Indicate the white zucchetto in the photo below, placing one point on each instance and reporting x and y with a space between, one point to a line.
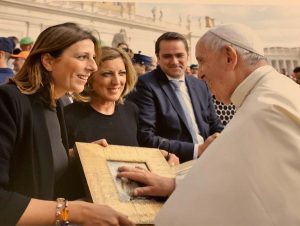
241 36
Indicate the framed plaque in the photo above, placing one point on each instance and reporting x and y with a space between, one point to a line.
100 164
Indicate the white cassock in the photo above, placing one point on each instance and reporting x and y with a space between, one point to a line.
250 175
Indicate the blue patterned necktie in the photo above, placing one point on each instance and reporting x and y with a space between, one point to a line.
193 130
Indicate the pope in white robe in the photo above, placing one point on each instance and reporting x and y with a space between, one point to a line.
250 174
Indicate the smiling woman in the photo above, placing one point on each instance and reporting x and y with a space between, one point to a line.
53 55
72 68
34 162
102 112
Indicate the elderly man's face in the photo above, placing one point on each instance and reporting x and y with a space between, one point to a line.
214 70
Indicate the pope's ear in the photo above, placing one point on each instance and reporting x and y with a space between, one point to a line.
47 61
231 56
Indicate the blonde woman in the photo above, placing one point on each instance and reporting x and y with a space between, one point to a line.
103 113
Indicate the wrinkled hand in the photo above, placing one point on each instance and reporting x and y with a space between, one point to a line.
155 185
101 142
89 214
172 159
206 143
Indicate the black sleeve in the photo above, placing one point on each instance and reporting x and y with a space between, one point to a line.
12 204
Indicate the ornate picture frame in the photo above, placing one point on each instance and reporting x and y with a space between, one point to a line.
100 164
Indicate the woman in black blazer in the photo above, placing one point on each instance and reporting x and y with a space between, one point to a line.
34 157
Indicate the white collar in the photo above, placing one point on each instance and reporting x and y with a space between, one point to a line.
245 87
182 78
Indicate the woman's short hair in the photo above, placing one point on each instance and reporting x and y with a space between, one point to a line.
110 53
33 78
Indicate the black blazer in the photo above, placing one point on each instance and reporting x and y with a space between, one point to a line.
161 120
26 163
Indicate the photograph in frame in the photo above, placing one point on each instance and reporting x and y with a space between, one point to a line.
99 166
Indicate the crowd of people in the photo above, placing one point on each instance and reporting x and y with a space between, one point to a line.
12 58
65 88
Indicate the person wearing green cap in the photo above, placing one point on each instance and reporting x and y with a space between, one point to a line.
26 44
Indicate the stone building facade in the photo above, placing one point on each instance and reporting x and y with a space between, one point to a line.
283 59
29 17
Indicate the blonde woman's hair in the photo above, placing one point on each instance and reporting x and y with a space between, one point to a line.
110 53
33 78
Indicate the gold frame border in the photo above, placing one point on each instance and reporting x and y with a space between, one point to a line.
93 158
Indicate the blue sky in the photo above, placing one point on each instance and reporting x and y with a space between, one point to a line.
276 24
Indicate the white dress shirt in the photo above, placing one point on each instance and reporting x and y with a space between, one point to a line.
188 103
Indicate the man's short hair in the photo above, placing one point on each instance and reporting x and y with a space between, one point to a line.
296 70
170 36
215 43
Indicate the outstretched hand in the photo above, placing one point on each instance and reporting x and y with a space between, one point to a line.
155 185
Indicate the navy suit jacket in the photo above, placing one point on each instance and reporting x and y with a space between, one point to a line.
161 121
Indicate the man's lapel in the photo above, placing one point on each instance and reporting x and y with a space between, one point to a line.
167 88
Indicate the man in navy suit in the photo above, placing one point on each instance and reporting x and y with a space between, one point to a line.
183 127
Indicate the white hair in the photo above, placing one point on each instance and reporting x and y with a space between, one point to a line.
215 43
